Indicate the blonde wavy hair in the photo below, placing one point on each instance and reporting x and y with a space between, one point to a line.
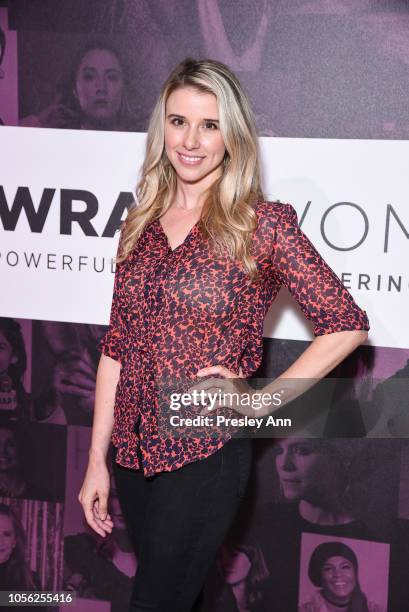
228 218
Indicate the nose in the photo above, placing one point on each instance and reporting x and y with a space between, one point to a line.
101 84
287 462
191 140
336 573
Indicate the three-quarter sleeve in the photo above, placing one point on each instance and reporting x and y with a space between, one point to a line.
112 342
314 285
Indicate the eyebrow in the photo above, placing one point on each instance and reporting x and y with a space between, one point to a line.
182 117
105 69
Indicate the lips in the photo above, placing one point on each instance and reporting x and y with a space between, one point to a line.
340 586
190 160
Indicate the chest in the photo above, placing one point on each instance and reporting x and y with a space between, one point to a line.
191 284
191 281
176 227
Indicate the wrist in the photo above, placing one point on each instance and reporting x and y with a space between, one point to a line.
97 455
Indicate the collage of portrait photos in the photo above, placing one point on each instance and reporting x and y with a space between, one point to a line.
311 68
47 383
321 517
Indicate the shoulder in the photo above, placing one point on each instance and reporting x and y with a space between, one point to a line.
275 221
276 212
314 603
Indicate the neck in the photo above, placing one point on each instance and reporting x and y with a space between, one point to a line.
320 515
333 604
88 123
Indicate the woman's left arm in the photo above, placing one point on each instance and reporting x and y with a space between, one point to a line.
339 324
324 354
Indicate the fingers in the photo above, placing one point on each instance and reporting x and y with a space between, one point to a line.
211 409
88 508
216 369
94 511
100 507
71 378
102 517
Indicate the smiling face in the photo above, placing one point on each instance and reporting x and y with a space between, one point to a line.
99 85
338 579
302 467
7 538
193 141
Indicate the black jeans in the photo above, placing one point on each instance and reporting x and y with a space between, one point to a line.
177 521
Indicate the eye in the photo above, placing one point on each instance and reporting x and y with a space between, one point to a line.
211 125
277 450
303 449
113 76
87 76
177 121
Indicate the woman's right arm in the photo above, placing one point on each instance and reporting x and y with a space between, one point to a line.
94 492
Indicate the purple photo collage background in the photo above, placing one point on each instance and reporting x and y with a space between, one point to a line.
312 68
304 492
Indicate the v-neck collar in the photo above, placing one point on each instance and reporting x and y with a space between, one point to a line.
193 230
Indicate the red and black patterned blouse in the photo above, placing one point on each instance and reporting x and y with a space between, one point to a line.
176 311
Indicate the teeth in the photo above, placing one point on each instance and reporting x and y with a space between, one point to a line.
188 158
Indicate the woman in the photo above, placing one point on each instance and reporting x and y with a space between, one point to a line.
17 464
201 258
93 96
15 574
66 382
233 585
315 478
12 479
15 402
315 474
333 567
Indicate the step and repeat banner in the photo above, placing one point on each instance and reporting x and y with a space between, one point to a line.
329 83
64 194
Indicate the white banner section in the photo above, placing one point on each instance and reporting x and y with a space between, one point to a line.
63 191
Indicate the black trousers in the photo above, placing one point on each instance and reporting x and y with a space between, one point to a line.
177 521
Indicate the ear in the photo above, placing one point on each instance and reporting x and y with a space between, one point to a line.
14 359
